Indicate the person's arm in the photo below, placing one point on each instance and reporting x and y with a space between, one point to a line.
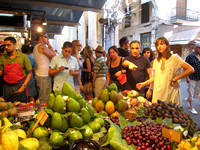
128 64
1 72
74 73
80 83
145 83
46 51
88 63
149 92
94 78
108 75
188 69
53 72
26 81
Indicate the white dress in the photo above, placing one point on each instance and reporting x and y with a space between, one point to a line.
162 89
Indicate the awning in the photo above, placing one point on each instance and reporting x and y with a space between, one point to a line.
185 37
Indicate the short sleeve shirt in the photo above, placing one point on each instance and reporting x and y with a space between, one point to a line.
138 75
195 63
63 76
100 66
23 61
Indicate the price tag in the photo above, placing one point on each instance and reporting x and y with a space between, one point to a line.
171 135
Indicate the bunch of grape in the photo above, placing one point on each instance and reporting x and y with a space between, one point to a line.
147 136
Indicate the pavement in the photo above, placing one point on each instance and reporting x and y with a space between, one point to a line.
196 103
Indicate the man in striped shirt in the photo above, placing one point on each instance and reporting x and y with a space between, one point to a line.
100 71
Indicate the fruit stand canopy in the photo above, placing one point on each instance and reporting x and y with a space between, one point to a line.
58 13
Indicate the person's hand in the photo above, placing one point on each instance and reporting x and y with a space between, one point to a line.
140 85
174 84
61 68
148 94
21 89
71 71
132 66
81 87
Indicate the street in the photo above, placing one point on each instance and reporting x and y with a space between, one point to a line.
196 103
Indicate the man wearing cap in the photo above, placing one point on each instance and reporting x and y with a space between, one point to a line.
100 71
124 45
43 53
193 80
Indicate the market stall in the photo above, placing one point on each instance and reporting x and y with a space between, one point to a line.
113 120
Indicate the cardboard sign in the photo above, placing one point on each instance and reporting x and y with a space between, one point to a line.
42 117
171 135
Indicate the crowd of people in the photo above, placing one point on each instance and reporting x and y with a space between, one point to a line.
34 72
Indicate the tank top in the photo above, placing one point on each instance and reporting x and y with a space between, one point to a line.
42 62
113 70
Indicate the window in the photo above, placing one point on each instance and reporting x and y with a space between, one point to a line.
145 39
145 13
181 9
127 19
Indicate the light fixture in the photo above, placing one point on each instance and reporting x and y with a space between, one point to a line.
39 29
44 21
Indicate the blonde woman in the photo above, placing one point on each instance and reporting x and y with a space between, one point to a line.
86 75
76 48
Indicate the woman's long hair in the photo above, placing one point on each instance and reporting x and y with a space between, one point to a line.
74 45
163 40
88 53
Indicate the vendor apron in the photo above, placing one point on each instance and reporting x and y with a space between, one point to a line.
14 78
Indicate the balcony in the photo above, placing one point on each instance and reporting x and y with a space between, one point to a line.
179 15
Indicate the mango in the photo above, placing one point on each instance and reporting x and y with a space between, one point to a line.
75 121
104 95
72 105
3 106
112 86
99 105
122 105
50 101
90 109
114 96
56 121
59 104
110 107
85 115
115 114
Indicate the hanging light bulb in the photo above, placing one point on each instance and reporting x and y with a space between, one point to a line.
39 29
44 21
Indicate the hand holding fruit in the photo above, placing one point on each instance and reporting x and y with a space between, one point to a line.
140 85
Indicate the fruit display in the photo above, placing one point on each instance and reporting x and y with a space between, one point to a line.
193 144
134 99
70 118
148 135
110 101
171 111
7 109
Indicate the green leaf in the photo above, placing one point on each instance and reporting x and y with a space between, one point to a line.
115 140
21 147
100 134
45 144
135 123
123 122
159 120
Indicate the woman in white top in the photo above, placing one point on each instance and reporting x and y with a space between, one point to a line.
167 74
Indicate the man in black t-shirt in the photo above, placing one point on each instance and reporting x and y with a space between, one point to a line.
124 45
